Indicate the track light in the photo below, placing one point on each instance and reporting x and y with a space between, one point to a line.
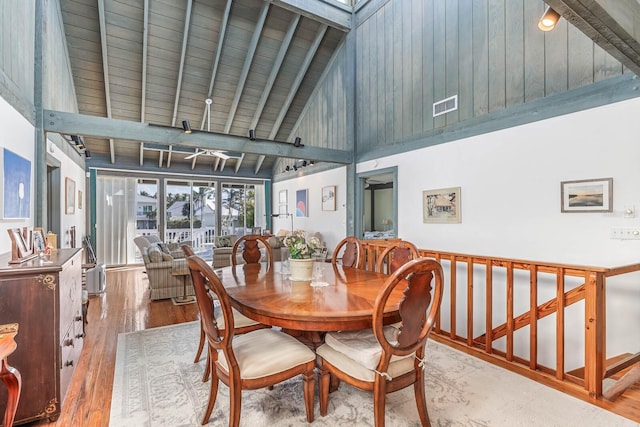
297 142
549 19
304 163
87 154
186 126
311 162
295 168
287 169
252 135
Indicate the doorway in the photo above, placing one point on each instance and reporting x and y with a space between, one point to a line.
378 204
53 196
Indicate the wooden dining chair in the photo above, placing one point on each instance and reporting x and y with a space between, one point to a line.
387 358
396 255
251 254
242 324
249 361
349 253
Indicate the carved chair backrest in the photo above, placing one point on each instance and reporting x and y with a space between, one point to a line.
395 256
350 253
251 253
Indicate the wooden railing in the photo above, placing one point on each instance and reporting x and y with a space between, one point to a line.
482 289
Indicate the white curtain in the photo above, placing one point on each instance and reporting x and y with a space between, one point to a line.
115 219
259 214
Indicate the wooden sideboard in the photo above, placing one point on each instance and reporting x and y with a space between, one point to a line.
45 298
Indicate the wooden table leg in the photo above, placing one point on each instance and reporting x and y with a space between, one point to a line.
9 375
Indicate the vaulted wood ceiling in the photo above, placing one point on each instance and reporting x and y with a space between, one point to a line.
158 61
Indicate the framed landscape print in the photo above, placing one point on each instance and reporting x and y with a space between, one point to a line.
329 198
441 206
587 195
69 196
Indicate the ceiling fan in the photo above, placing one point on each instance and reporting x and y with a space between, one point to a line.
208 152
216 153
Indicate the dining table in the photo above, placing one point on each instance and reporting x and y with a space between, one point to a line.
341 299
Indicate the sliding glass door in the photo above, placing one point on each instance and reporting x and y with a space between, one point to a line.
190 212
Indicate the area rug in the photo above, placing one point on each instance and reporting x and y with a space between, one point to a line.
156 383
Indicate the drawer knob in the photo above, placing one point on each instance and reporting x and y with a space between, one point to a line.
78 318
68 363
68 342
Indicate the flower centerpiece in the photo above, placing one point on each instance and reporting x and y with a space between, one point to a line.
300 246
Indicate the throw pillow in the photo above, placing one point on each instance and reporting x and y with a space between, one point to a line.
155 254
166 257
163 247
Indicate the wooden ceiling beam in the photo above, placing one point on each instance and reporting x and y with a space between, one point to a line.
333 14
105 70
611 24
102 127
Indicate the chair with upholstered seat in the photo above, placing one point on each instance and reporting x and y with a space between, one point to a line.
387 358
242 324
396 255
349 253
252 246
253 360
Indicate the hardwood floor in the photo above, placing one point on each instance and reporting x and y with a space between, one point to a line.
125 307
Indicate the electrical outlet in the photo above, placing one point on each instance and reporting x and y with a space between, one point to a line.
625 233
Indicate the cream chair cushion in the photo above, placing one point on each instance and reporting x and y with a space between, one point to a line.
239 319
358 353
266 352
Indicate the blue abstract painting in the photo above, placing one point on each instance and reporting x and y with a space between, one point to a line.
17 186
301 203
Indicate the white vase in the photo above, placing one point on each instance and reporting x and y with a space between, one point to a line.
301 269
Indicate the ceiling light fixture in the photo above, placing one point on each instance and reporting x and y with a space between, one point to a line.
252 135
549 19
186 126
87 154
297 142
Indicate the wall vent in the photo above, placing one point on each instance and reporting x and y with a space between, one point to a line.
446 105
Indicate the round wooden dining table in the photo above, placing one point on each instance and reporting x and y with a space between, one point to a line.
344 302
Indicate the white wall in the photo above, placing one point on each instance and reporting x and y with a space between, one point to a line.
18 135
510 185
332 224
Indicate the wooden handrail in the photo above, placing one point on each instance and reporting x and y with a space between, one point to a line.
462 271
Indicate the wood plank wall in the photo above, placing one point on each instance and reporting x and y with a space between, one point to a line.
16 52
411 53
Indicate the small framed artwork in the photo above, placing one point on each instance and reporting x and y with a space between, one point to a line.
587 195
302 203
19 243
282 202
79 199
69 196
441 206
329 198
39 241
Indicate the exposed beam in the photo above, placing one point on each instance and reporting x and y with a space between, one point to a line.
247 65
274 71
612 24
298 80
216 61
333 14
105 70
183 54
259 164
143 94
81 124
239 162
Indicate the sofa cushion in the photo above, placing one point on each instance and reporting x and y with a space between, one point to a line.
163 247
155 254
167 257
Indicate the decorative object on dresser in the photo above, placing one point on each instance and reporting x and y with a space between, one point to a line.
21 251
45 298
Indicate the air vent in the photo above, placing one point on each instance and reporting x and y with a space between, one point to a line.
446 105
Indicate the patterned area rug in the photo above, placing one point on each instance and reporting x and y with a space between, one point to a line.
157 384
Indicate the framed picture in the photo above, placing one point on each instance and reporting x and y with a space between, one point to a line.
69 196
79 199
441 206
18 240
282 202
302 203
329 198
587 195
39 242
16 184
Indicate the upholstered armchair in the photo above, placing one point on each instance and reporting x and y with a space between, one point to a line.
167 274
153 240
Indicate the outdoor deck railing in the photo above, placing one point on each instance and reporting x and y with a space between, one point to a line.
481 289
